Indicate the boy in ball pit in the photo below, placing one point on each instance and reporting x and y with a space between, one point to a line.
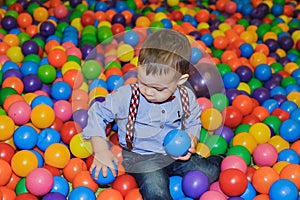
145 112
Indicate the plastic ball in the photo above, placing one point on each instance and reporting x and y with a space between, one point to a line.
47 137
13 82
246 140
124 183
82 192
57 57
31 83
54 195
42 116
216 144
233 182
61 91
289 155
290 130
39 181
19 112
231 80
5 172
23 162
131 38
265 155
175 187
25 137
262 72
111 194
15 54
60 185
7 127
6 152
211 119
79 147
57 155
232 116
134 194
105 180
261 132
26 196
195 183
212 194
283 189
73 167
243 103
177 143
263 178
91 69
125 52
114 82
234 162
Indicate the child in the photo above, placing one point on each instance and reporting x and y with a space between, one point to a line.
145 112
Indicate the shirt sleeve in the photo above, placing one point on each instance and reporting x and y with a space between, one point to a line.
193 122
100 114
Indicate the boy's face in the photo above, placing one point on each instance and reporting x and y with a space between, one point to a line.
157 88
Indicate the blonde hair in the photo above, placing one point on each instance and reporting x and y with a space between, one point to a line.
165 50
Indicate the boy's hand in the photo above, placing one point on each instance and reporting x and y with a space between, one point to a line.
192 149
103 158
102 161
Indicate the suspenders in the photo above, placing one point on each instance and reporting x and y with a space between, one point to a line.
133 109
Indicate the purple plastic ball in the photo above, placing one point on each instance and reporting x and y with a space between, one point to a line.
244 73
30 47
80 116
54 195
47 28
87 51
286 42
9 22
261 94
195 183
226 132
119 18
271 83
31 83
232 93
12 72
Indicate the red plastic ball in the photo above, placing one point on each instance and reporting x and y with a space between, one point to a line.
68 130
87 18
232 116
6 152
134 194
74 166
57 57
233 182
124 183
26 196
243 103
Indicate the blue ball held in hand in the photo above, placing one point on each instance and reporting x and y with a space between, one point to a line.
177 143
105 180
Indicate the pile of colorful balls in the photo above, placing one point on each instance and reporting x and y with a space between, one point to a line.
59 57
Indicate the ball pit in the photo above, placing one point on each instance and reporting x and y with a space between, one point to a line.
245 74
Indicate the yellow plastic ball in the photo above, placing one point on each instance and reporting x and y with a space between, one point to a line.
279 143
159 16
172 2
258 58
217 33
211 119
246 140
42 116
290 67
244 87
28 97
70 65
23 162
296 36
77 24
261 132
143 21
125 52
202 25
202 150
57 155
280 165
15 54
79 147
104 23
7 127
294 97
224 27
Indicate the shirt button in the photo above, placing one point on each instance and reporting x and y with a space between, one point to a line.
161 126
163 111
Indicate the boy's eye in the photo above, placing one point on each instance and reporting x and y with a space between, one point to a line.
160 89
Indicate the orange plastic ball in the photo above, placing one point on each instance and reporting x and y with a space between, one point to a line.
11 40
243 103
296 146
258 58
40 14
42 116
220 42
57 155
202 16
31 30
12 99
23 162
110 194
57 57
5 172
263 178
3 48
260 112
24 20
292 173
84 178
13 82
74 78
73 167
211 119
7 193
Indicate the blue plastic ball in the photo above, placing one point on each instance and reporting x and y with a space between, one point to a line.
196 55
175 186
295 115
290 130
47 137
207 39
283 189
288 106
39 157
249 193
277 90
262 72
101 6
277 9
131 38
289 155
167 23
105 180
25 137
246 50
82 192
231 80
61 90
114 82
9 65
41 100
97 83
29 67
60 185
270 105
177 143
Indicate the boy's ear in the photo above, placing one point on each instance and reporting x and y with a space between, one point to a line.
183 79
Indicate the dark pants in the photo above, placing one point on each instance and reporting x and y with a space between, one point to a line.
152 172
